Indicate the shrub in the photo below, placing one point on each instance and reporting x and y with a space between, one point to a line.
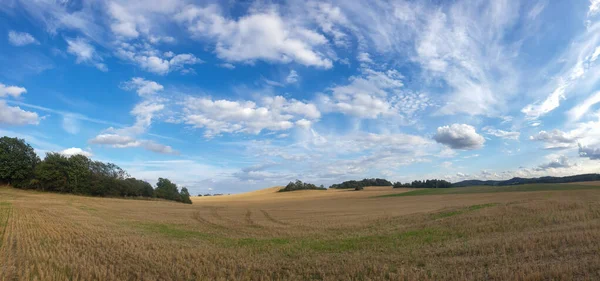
299 185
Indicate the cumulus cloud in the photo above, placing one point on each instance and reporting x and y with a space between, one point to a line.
21 38
142 86
374 94
225 116
292 77
151 60
256 36
593 153
364 57
75 151
509 135
12 91
560 162
555 139
459 136
85 53
14 115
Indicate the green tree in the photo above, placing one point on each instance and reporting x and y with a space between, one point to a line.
52 173
79 174
17 161
165 189
185 196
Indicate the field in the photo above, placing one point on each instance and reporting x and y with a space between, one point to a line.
537 232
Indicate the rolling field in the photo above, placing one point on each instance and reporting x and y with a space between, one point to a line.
546 232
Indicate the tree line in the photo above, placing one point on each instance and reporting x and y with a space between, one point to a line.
77 174
361 184
299 185
424 184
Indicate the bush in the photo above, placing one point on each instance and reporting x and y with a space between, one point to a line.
359 188
299 185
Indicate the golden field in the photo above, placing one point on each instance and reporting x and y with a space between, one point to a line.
305 235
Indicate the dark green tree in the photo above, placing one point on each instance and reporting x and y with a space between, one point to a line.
165 189
185 196
17 161
52 173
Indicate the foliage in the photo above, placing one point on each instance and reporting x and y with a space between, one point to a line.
299 185
77 174
363 183
17 161
425 184
185 196
516 181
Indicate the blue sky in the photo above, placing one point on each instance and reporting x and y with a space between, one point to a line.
230 96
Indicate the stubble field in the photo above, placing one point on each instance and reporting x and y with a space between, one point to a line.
523 234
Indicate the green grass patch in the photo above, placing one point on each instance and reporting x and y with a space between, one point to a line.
87 209
492 189
447 214
413 238
5 204
169 230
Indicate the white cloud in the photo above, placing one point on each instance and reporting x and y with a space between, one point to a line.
122 141
21 38
374 94
16 116
459 136
142 86
594 7
257 36
151 60
75 151
225 116
227 65
581 109
85 53
578 73
13 91
560 162
364 57
457 46
502 134
292 77
555 139
124 23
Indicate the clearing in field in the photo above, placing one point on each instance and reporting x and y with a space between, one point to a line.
546 232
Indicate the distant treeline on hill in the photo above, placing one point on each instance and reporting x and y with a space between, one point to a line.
516 181
77 174
299 185
362 183
425 184
358 185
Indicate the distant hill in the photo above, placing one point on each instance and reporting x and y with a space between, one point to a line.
516 181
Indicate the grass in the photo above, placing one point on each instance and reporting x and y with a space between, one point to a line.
333 236
492 189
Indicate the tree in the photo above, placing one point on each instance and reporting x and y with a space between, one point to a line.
185 196
165 189
52 173
17 161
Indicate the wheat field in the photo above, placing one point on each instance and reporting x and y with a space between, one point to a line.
304 235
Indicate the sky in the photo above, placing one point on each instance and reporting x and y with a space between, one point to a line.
231 96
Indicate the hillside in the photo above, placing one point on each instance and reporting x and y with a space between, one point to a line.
516 180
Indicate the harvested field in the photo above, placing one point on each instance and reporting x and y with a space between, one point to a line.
304 235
